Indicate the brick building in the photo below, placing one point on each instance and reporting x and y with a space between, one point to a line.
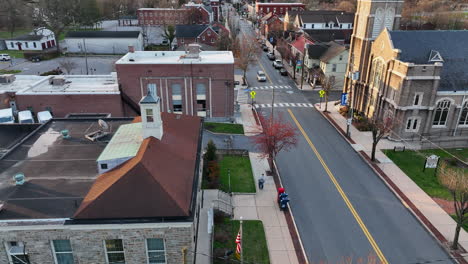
280 9
63 95
192 83
416 78
203 34
59 209
190 13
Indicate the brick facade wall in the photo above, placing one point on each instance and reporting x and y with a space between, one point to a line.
63 104
134 79
88 244
181 16
280 10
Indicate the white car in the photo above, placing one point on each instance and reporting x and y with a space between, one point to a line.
277 64
5 57
261 77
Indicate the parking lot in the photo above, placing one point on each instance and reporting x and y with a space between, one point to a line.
96 65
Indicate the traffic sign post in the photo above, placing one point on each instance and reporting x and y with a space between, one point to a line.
252 96
321 93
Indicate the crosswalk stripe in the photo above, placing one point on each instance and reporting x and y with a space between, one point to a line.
271 87
281 105
268 105
310 105
286 104
256 105
262 105
292 104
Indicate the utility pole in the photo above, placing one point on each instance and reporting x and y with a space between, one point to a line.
242 242
272 106
86 56
306 46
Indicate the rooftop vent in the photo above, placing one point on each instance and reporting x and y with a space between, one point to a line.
65 134
57 80
7 78
193 51
19 179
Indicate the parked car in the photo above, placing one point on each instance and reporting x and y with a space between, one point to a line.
283 72
261 77
6 116
271 56
265 47
35 59
43 116
25 117
277 64
5 57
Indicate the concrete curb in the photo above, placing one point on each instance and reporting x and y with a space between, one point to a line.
399 194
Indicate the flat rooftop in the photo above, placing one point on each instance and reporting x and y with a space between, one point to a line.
75 84
58 171
21 82
176 57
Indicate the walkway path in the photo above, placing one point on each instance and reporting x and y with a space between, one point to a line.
439 223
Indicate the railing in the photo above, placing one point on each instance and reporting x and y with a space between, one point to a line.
223 206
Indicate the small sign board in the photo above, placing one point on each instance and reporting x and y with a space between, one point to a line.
321 93
348 121
252 94
344 99
431 162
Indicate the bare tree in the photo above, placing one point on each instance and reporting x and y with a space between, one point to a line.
56 15
169 34
328 82
456 181
379 129
248 51
67 64
13 14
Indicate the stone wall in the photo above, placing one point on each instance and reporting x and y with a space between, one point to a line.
88 241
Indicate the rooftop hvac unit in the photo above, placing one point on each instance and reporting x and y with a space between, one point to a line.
65 134
19 179
7 78
57 80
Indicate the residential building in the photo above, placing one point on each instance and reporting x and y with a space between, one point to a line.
342 36
324 19
191 13
280 9
63 95
326 60
270 23
298 45
191 83
203 34
215 6
103 42
415 78
59 209
39 39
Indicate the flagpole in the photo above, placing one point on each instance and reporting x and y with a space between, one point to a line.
242 238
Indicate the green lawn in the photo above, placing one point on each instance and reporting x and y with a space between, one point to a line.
412 163
241 174
253 239
9 71
224 128
465 226
13 53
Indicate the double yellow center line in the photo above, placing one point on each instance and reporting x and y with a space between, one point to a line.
361 224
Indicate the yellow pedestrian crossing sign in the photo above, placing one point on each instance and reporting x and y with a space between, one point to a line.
321 93
252 94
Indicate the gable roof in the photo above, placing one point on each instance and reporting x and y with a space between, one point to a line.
417 46
189 31
300 42
159 182
317 50
326 16
103 34
327 35
31 37
333 50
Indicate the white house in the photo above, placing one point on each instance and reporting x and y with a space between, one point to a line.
324 19
103 42
39 39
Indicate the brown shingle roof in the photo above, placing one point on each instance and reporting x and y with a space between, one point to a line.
157 182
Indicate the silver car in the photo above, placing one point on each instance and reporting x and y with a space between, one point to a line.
5 57
261 77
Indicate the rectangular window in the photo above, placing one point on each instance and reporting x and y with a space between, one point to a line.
349 26
26 44
333 67
114 251
341 57
152 89
104 166
203 38
149 115
17 252
62 250
412 124
177 97
156 250
12 45
34 44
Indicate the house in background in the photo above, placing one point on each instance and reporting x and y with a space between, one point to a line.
103 42
205 34
270 23
39 39
280 9
324 19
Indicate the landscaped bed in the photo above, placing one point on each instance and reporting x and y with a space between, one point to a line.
9 71
224 128
241 174
412 163
254 244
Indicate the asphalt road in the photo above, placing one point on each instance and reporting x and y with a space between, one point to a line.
341 207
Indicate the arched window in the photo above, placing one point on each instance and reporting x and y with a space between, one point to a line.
464 115
441 113
376 73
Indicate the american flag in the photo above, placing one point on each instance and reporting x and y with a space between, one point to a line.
239 245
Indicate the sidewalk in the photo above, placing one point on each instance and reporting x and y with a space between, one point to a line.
439 223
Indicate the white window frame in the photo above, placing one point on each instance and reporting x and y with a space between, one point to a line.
420 98
413 119
148 251
106 252
8 247
463 105
152 88
448 112
55 253
334 67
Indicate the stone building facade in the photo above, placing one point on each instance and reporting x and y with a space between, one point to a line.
416 78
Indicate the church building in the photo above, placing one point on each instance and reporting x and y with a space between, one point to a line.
419 79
